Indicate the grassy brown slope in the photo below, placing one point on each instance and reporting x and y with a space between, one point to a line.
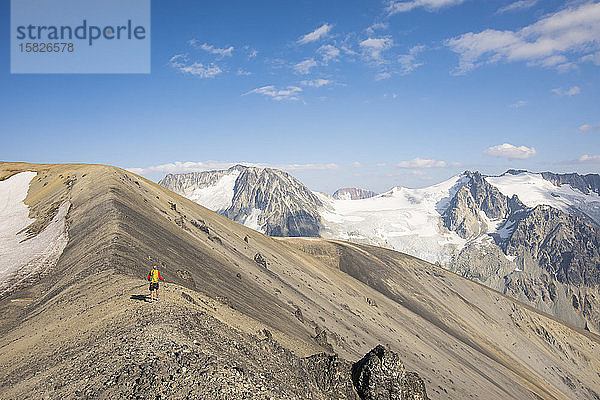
466 341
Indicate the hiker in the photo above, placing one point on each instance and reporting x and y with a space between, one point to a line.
154 277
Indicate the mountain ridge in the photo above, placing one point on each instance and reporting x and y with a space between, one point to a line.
310 295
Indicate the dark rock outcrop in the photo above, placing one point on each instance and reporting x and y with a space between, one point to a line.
260 260
380 375
353 194
331 375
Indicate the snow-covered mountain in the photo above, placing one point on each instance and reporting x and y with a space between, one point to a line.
534 236
406 220
552 190
264 199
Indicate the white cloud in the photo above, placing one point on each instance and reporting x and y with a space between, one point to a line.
377 26
421 163
587 158
316 83
179 167
243 72
560 40
374 47
569 92
288 93
383 75
304 67
519 104
182 63
593 58
373 52
356 164
588 128
221 53
315 35
328 52
381 164
408 62
511 151
396 6
250 52
517 6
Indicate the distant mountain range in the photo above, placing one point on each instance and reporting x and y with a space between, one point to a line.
533 236
353 194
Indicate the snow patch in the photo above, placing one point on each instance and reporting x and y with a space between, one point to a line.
251 221
218 196
21 257
533 190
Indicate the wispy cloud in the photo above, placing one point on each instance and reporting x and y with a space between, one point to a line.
315 35
560 40
250 52
179 167
588 128
518 104
408 62
328 53
510 151
182 63
356 164
376 27
305 66
243 72
289 93
396 6
421 163
567 92
219 52
589 159
373 48
517 6
316 83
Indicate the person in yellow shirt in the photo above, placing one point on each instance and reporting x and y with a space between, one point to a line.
154 277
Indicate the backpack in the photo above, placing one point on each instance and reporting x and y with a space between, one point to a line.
154 275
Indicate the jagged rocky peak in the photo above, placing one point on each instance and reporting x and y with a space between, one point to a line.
183 182
353 194
265 199
464 213
275 202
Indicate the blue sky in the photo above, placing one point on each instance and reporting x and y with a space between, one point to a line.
339 93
